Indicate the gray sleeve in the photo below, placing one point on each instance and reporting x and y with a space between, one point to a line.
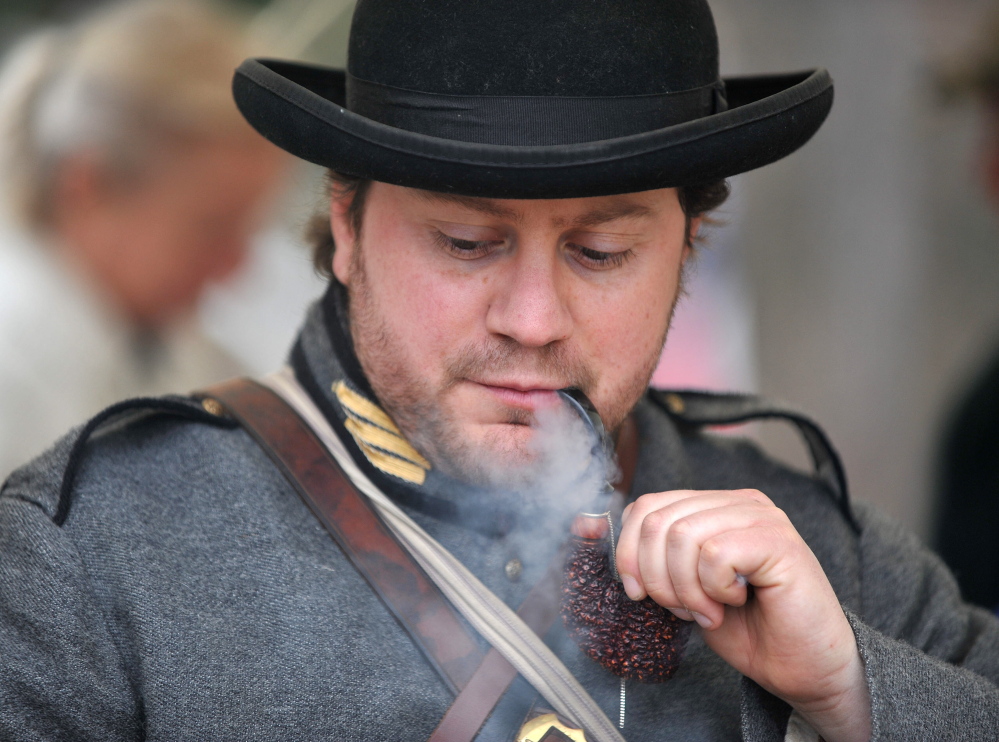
932 661
61 674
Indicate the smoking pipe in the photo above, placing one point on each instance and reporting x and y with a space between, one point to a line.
583 407
603 446
639 640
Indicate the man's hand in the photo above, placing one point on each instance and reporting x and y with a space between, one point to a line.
697 552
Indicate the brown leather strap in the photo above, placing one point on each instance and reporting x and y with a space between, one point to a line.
492 678
396 578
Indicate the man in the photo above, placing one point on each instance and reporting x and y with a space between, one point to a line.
517 187
130 184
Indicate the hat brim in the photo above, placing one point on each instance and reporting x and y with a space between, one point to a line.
299 108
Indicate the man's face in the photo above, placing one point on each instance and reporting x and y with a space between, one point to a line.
467 314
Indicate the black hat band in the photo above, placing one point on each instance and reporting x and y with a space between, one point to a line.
529 120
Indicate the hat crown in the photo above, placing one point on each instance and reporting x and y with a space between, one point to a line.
583 48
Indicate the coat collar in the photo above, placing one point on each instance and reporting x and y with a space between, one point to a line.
324 362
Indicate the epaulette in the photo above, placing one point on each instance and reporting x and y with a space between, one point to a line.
694 409
125 412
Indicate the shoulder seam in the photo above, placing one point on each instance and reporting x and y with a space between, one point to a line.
153 405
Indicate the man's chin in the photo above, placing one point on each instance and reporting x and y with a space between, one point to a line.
508 443
497 455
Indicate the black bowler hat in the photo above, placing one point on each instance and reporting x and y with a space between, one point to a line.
532 99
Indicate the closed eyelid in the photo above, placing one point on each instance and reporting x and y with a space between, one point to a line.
604 243
461 247
601 258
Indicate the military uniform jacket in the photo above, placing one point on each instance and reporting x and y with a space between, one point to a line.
161 580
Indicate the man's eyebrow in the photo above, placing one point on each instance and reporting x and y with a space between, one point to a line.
609 213
481 205
600 215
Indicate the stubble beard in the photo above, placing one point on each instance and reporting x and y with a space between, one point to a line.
419 408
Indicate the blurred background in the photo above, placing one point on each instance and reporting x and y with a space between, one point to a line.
855 280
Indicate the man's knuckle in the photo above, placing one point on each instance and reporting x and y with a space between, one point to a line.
713 552
757 496
660 590
682 530
686 589
655 523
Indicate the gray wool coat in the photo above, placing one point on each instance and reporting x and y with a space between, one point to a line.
174 587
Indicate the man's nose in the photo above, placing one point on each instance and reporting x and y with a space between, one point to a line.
529 304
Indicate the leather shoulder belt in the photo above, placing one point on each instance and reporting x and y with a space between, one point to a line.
479 679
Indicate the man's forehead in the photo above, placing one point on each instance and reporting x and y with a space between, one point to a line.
575 212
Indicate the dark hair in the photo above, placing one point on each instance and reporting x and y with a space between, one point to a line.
695 201
700 201
318 233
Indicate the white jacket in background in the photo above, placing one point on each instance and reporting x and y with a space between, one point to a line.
65 354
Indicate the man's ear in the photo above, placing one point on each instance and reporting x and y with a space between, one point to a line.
343 237
688 247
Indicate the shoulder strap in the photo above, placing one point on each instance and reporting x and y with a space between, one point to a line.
698 409
492 678
394 575
403 586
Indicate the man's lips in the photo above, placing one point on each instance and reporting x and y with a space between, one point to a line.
522 396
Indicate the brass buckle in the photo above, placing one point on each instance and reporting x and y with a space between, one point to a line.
548 728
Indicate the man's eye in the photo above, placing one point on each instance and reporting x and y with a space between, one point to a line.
599 260
463 248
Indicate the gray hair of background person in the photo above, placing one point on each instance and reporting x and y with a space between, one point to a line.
117 86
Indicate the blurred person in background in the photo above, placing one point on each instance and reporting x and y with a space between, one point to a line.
130 183
968 482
